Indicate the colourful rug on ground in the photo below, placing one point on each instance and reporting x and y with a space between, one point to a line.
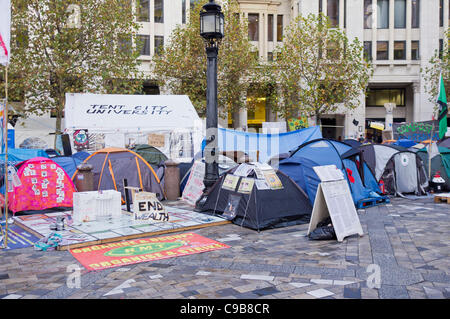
100 257
19 238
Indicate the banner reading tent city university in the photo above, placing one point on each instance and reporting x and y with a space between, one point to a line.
5 31
116 112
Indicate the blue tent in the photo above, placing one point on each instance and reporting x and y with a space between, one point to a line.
70 163
299 166
262 147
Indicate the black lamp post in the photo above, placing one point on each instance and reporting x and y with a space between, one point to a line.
211 29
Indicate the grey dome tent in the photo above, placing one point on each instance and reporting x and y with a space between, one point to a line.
261 209
402 171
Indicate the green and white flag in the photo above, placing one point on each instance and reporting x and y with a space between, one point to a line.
443 109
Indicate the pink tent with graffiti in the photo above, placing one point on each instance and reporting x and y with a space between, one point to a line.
44 185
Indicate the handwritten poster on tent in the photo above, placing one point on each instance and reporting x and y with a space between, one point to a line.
156 140
246 185
230 182
194 186
273 180
416 131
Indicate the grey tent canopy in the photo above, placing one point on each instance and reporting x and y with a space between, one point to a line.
401 170
151 154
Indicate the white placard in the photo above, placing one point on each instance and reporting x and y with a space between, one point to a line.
328 173
334 199
261 184
243 170
194 186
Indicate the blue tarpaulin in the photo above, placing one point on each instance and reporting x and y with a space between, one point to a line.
22 154
262 147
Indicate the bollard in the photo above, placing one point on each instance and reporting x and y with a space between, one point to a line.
172 180
84 180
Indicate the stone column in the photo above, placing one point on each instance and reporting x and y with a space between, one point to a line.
389 116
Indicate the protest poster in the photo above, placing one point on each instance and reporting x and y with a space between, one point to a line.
147 208
416 131
194 186
272 179
230 182
246 185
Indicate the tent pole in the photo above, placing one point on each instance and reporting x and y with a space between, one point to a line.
5 140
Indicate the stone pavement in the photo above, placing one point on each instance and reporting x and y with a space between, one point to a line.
407 242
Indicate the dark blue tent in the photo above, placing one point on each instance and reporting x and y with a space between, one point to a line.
299 167
69 163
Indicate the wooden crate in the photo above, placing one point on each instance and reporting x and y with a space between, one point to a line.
442 198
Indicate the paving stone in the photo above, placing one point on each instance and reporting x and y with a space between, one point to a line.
265 291
353 293
320 293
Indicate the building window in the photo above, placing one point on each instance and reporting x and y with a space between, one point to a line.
253 26
415 53
320 6
333 12
400 14
382 50
144 42
378 97
159 44
270 27
399 50
415 13
279 28
159 11
383 14
144 11
441 48
441 13
368 50
368 11
270 56
183 11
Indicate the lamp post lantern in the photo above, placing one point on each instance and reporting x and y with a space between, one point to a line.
211 29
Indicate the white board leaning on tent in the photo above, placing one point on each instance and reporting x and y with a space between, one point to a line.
334 199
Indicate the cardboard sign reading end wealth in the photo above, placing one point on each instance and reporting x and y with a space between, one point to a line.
333 199
148 208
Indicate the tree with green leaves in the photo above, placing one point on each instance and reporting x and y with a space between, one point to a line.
181 66
439 63
60 47
318 69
